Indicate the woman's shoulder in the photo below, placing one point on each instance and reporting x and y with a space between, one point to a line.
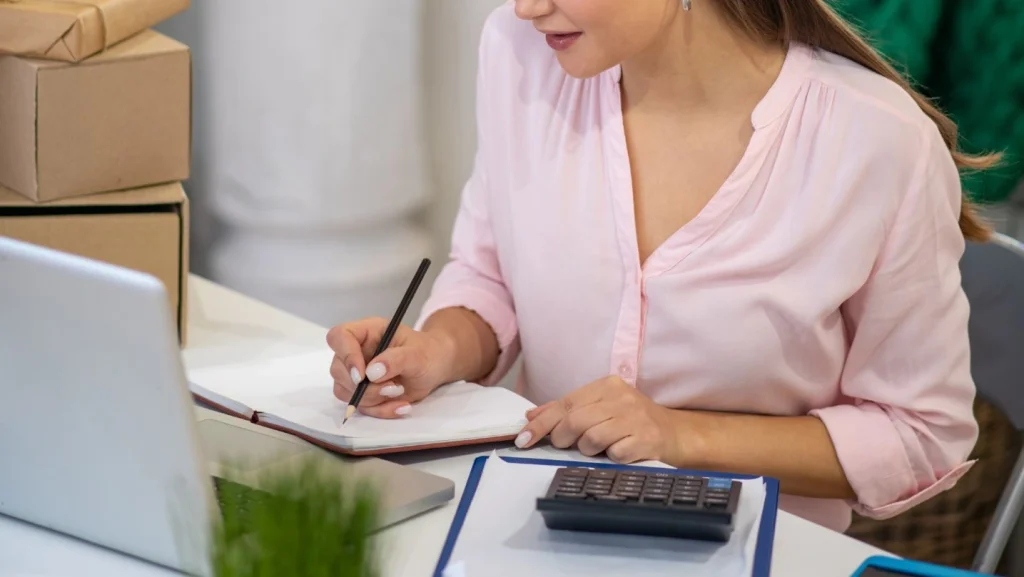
876 110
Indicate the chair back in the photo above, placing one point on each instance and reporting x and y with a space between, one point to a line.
993 278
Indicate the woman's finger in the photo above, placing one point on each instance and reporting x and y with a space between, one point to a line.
347 343
579 421
393 409
375 394
408 362
626 450
599 438
532 413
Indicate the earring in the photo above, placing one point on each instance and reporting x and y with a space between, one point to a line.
686 5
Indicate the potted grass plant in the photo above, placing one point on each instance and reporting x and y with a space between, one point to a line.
303 523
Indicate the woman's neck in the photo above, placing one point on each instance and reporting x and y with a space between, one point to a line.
700 65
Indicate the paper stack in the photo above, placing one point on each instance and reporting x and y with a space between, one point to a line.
96 114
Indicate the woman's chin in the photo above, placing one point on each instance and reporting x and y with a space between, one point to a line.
581 67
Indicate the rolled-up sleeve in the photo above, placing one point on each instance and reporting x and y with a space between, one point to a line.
909 427
472 279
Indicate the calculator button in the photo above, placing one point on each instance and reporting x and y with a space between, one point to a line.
629 494
611 497
632 477
602 474
561 495
719 484
679 500
595 491
575 472
661 476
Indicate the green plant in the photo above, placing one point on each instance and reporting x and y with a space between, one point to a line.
300 524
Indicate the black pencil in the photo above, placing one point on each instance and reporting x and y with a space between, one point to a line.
389 334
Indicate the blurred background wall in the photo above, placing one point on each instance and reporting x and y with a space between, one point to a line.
331 141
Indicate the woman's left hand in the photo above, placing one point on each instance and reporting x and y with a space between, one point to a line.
605 416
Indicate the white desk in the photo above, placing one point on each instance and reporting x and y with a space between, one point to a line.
227 327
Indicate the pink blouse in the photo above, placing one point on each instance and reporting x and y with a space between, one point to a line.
822 278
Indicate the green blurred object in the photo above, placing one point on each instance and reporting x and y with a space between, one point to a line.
301 523
903 30
968 55
982 86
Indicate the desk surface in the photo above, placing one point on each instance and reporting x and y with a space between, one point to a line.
226 327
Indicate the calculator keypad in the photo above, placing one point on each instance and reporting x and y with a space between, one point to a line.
665 489
666 504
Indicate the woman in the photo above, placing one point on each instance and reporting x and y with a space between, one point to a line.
724 235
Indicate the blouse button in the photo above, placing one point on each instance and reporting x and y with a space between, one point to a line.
625 371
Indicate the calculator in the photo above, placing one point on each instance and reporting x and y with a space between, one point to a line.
661 504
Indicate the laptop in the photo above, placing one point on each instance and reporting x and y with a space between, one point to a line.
99 435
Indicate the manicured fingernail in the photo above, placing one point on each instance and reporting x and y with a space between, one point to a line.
392 390
376 371
354 373
523 439
403 410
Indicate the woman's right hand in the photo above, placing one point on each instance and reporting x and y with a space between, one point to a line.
411 368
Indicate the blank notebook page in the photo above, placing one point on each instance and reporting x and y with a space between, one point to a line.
299 389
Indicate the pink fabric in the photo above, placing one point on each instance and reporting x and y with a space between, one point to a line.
822 279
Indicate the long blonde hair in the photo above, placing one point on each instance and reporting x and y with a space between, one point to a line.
815 24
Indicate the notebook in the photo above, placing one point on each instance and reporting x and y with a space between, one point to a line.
497 531
294 394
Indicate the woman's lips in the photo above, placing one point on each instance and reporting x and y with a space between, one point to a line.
562 41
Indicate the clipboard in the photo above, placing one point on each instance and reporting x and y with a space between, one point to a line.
766 531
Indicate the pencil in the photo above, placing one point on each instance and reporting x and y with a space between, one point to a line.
389 334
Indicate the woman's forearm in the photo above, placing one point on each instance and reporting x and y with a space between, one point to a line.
472 348
795 450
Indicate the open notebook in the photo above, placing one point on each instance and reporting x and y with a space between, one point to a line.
295 394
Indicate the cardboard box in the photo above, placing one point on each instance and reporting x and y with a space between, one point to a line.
144 229
119 120
72 30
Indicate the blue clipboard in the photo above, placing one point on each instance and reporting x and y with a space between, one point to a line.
765 534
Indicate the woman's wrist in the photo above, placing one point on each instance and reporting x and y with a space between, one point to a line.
683 442
467 348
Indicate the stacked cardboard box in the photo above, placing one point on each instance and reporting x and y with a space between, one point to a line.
96 115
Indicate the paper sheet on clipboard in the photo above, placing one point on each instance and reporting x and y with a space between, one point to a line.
504 536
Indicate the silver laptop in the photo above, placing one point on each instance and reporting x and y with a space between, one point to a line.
99 436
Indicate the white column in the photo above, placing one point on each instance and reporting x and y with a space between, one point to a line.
452 45
310 150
